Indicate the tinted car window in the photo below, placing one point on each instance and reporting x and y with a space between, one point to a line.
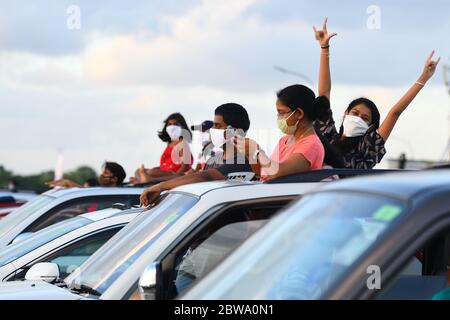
79 206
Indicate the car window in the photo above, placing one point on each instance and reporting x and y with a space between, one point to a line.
79 206
424 275
305 250
215 241
71 257
40 238
113 259
23 212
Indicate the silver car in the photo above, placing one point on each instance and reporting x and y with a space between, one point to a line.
60 204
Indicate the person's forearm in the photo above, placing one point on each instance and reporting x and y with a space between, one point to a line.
394 114
183 169
324 73
408 97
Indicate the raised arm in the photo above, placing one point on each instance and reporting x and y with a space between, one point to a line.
395 112
323 38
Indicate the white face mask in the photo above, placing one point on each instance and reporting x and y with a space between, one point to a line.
217 137
174 132
354 126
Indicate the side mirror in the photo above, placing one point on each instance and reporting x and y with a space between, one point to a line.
45 271
150 282
22 237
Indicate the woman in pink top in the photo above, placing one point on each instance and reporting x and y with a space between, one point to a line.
300 149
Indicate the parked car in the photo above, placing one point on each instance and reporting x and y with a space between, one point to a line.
12 200
60 204
67 244
210 219
383 237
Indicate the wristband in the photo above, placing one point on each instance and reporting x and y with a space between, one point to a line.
325 47
420 83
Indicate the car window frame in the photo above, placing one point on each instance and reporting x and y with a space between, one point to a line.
187 237
396 262
64 205
59 248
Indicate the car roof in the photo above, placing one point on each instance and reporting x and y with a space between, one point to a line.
402 185
101 214
95 191
199 189
241 189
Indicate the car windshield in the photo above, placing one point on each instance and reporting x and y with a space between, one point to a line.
302 252
19 249
23 212
122 250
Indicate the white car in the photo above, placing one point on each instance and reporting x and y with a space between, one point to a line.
60 204
193 225
68 243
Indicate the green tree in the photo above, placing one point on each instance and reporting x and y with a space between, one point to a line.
37 182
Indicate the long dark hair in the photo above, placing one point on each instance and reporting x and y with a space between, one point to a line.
346 144
164 136
300 96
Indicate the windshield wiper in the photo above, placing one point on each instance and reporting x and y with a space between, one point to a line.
86 289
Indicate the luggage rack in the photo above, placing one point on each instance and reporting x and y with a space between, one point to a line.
320 175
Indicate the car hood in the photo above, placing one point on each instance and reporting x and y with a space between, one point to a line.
34 290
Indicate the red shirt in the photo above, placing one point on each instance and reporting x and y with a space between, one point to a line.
172 160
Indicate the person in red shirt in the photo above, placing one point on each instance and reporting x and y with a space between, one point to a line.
176 158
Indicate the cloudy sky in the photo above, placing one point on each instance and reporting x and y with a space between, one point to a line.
100 92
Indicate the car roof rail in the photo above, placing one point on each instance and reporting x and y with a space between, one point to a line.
323 174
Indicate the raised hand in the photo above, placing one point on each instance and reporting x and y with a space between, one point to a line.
65 183
429 68
322 36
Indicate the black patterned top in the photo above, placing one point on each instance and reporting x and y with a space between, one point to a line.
364 153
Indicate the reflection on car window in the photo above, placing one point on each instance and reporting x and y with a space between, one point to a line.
107 264
306 249
71 258
77 207
23 212
19 249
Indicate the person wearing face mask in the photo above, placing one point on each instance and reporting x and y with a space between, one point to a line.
300 149
176 158
361 139
230 120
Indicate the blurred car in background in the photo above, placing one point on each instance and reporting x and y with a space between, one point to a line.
10 201
60 204
66 244
384 237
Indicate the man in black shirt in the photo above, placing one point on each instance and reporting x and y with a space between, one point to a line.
230 120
